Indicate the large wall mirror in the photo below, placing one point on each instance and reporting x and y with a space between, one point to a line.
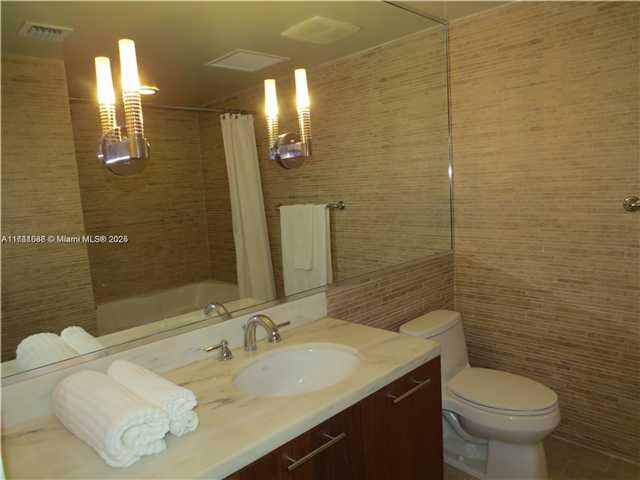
214 216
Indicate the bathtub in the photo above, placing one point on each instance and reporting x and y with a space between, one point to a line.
143 309
132 318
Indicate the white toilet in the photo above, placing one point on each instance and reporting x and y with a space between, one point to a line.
494 422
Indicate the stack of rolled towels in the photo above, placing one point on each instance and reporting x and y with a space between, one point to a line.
125 414
45 348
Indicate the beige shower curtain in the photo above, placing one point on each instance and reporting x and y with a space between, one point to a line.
253 255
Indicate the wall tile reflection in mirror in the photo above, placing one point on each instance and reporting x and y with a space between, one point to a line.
211 218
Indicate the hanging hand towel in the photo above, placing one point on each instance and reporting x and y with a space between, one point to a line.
296 225
116 423
42 349
80 340
177 401
297 280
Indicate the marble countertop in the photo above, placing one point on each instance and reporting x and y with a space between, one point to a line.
235 428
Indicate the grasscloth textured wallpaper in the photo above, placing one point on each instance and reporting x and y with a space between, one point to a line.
162 210
45 286
395 295
545 100
379 123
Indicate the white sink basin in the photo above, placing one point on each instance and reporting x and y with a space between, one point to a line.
298 370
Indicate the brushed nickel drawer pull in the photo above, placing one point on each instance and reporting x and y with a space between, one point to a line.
332 441
419 385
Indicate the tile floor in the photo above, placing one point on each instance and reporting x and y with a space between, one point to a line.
571 462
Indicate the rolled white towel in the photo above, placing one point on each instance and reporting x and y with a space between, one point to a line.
177 401
80 340
118 424
42 349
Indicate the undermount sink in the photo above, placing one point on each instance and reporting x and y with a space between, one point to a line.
298 370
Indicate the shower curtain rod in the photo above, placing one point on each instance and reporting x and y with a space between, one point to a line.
176 107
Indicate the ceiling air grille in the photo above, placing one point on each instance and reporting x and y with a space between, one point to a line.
246 60
41 31
320 30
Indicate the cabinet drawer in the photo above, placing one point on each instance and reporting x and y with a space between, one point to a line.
425 378
402 427
330 451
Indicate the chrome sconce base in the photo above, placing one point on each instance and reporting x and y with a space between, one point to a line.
631 204
290 151
125 156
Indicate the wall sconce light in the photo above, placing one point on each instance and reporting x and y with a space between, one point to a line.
148 89
290 149
122 155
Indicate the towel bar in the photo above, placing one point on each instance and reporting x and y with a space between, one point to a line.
339 205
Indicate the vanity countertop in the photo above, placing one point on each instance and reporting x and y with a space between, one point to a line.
235 428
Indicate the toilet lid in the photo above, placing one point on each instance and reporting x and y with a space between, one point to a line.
501 390
431 324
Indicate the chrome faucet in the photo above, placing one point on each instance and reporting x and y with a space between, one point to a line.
273 335
219 308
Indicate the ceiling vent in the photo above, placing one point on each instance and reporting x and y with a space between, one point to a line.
320 30
246 60
41 31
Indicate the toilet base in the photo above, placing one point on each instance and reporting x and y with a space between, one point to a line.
465 456
495 460
516 461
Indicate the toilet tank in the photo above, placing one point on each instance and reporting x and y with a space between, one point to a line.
444 327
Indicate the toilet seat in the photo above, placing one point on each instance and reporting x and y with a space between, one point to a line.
476 396
500 411
500 392
501 425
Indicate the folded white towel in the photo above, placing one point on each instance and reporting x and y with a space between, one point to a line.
80 340
177 401
42 349
118 424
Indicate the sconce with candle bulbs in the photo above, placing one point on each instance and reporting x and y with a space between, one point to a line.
122 154
290 149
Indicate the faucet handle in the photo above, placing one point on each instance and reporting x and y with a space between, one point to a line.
225 352
275 335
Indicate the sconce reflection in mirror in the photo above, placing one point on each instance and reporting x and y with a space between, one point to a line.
290 149
122 155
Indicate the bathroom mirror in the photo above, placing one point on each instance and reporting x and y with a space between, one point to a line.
125 257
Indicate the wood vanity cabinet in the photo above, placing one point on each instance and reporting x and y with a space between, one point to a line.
402 427
393 434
